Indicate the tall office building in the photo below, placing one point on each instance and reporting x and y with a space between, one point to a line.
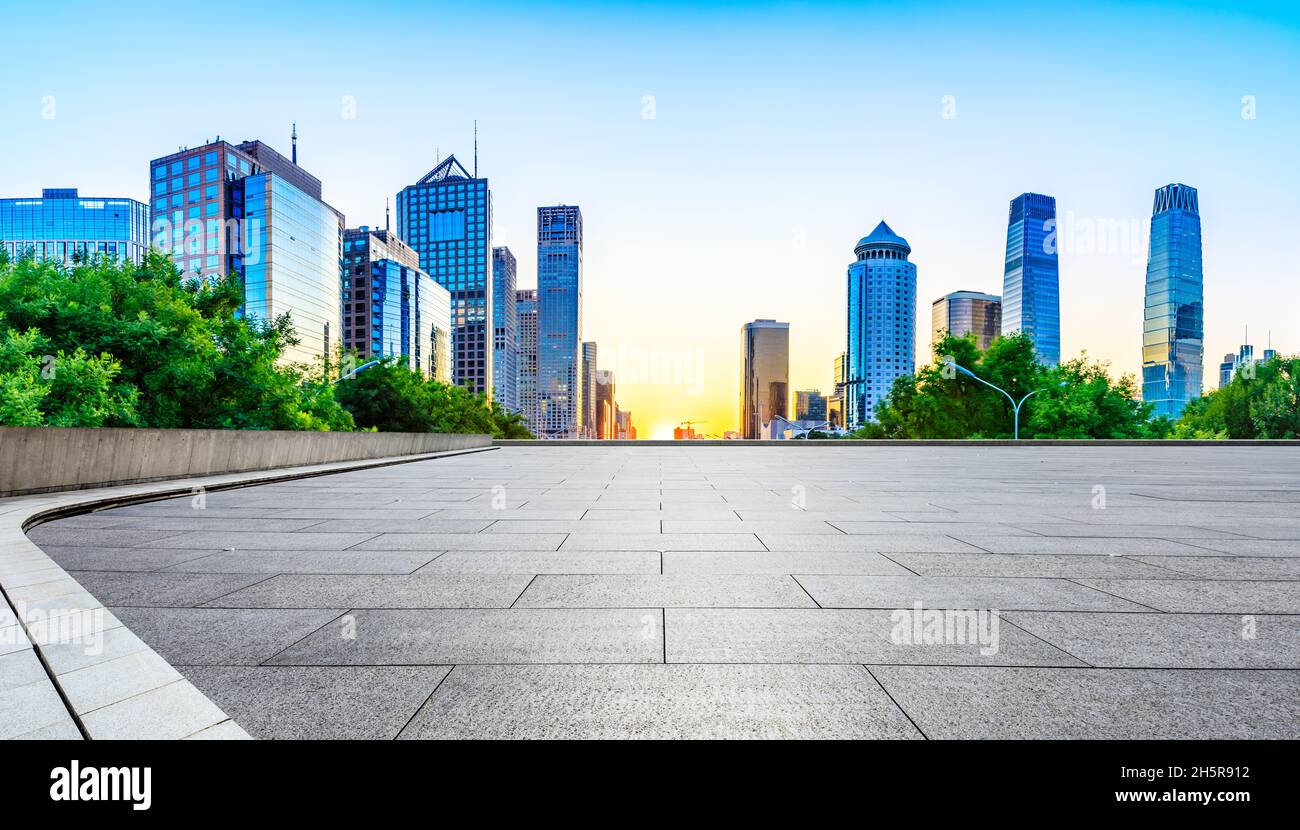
764 375
526 372
447 218
1245 357
835 401
505 330
967 312
809 405
63 226
606 405
589 389
246 210
1031 291
391 308
559 321
1174 324
881 342
624 430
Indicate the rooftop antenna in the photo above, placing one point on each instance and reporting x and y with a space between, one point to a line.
387 222
476 148
295 142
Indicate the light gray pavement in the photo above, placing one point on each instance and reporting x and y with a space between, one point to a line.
622 591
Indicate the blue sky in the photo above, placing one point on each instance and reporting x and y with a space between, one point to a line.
781 134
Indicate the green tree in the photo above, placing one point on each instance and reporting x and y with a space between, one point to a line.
1263 402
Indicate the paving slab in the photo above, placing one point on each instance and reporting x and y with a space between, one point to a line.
1065 566
1026 593
212 636
778 562
1228 567
659 702
427 590
649 590
517 635
545 562
155 590
319 702
837 636
1095 704
1205 596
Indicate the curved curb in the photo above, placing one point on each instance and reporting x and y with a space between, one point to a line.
69 669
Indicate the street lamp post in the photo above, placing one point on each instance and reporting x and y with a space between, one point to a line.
1015 405
360 368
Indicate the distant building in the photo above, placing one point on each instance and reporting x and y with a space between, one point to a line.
881 342
967 312
588 429
559 322
606 405
63 226
526 371
764 374
1243 361
1031 291
446 217
1173 329
835 401
246 210
809 405
391 308
505 330
624 430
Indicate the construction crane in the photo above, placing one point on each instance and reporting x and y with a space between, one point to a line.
686 430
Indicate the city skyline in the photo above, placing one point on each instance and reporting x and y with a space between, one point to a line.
1101 146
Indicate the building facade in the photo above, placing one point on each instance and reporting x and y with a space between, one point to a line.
526 367
446 217
835 401
1173 327
606 406
764 375
589 373
809 405
246 210
560 408
505 330
391 308
881 330
1031 291
967 312
65 227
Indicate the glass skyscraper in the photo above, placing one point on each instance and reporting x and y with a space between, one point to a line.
589 389
505 330
881 341
526 371
391 308
559 322
1173 326
764 375
447 218
967 312
64 226
246 210
1031 290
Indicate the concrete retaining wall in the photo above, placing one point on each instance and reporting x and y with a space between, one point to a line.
46 459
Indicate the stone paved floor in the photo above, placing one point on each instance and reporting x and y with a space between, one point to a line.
686 591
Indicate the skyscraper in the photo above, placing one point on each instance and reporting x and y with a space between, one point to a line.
835 401
1031 291
526 371
809 405
1173 326
559 321
447 218
63 226
967 312
589 389
246 210
391 308
764 375
606 405
505 330
881 342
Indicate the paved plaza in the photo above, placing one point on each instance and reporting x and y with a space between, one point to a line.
820 591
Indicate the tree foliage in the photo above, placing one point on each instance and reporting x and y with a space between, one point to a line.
102 343
1263 402
1077 399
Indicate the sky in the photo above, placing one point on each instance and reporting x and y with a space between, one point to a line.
726 156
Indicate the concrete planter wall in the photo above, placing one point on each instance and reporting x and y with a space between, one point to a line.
44 459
